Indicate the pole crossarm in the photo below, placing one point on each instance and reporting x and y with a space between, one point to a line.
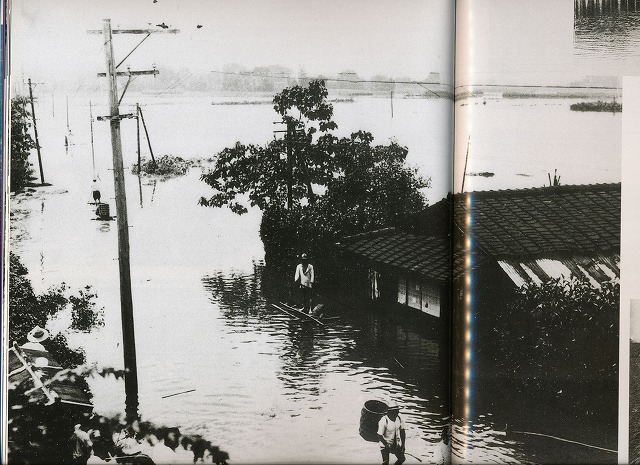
132 73
117 117
136 31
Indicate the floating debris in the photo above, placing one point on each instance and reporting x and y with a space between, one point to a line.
166 166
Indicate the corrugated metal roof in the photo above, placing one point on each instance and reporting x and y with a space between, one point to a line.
538 271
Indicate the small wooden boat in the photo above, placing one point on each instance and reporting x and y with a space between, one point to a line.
295 312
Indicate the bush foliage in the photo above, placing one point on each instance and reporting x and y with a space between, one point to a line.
558 337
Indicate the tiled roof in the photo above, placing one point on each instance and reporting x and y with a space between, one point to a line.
542 222
426 256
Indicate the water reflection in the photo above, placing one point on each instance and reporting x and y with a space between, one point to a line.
607 28
104 226
325 373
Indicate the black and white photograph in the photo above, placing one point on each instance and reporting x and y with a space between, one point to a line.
215 251
320 232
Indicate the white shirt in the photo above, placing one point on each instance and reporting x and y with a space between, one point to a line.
306 278
390 431
33 346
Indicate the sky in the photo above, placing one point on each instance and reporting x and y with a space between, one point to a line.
409 38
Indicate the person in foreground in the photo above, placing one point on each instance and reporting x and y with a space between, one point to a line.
391 434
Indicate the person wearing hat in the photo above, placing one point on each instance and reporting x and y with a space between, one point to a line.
304 278
35 337
392 435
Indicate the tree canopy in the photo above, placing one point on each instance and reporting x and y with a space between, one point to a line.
339 185
21 144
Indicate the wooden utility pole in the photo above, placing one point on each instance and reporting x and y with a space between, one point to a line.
146 133
126 302
392 104
35 131
138 134
93 153
290 130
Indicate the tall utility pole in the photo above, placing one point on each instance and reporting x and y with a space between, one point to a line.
290 130
93 153
146 133
126 302
35 131
138 134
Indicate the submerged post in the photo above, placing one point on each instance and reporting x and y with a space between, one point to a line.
126 302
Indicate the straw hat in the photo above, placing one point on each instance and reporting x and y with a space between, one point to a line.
37 334
392 405
303 256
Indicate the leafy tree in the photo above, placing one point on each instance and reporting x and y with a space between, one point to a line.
340 186
21 144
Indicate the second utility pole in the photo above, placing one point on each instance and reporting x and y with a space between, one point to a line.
126 302
35 132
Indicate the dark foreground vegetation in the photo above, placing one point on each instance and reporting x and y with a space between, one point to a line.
63 433
557 342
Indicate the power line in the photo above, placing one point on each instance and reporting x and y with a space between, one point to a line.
354 81
528 86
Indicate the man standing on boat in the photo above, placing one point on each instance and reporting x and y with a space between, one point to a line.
304 278
392 435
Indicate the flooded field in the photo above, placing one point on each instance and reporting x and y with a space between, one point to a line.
201 292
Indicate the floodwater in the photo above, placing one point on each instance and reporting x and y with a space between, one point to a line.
518 143
266 388
607 28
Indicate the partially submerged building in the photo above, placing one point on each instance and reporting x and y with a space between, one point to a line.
502 240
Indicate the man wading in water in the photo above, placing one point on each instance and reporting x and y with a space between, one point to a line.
391 435
304 278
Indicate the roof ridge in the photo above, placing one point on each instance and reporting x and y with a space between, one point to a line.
549 189
373 233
